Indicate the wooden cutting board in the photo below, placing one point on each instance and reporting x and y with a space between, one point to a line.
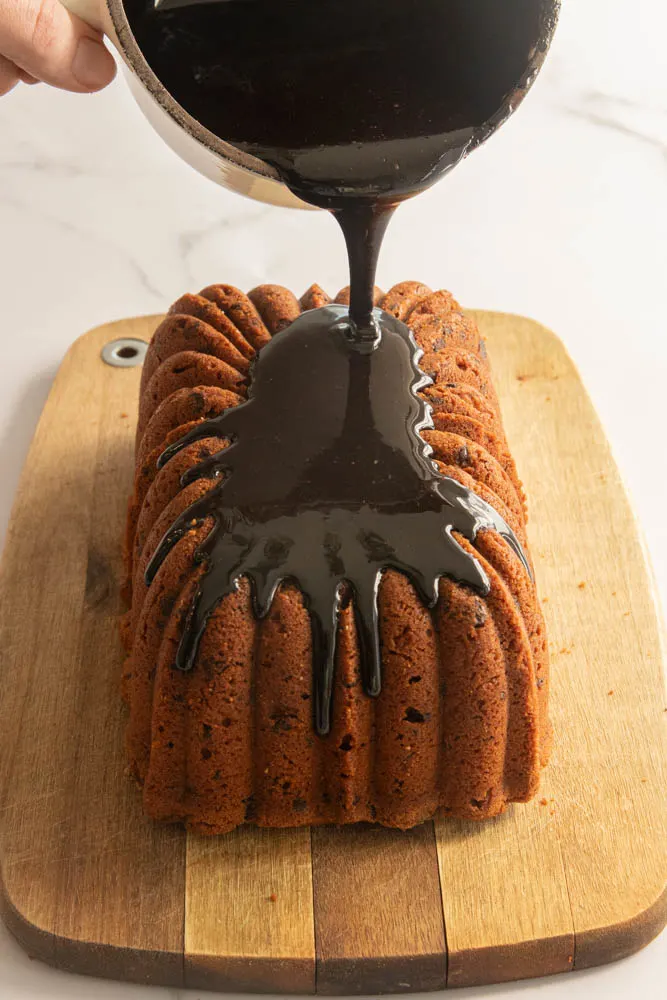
574 879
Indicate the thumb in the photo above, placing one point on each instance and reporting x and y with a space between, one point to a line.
48 43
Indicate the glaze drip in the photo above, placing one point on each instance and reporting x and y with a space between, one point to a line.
326 482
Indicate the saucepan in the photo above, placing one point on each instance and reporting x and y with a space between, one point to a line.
206 152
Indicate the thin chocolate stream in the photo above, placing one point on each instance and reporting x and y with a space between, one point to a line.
327 483
364 226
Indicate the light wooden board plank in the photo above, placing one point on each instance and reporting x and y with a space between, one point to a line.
81 838
249 912
505 898
609 773
109 841
44 570
90 885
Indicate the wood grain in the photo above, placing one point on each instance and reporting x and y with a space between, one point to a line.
249 912
89 884
70 855
609 772
135 865
41 663
378 910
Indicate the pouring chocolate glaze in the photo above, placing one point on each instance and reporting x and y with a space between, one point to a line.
356 106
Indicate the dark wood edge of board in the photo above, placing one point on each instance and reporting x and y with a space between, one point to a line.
366 976
610 944
89 958
349 977
244 975
336 976
528 960
35 941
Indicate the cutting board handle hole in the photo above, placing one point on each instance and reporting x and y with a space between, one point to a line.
126 352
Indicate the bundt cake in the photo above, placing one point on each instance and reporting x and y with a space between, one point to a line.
460 725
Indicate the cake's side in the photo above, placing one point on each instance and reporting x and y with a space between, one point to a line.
461 724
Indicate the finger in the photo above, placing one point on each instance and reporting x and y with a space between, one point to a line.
9 76
50 44
26 78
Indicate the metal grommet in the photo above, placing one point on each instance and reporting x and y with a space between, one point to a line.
126 352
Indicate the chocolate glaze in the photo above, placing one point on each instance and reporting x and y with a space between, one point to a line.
327 482
357 104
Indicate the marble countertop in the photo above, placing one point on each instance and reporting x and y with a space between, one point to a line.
562 217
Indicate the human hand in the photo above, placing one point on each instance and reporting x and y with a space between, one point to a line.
41 41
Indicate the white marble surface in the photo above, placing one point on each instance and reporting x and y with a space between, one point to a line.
563 217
